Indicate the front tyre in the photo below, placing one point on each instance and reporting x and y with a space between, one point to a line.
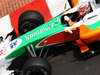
29 20
36 66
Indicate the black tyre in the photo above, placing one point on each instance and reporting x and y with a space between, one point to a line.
87 54
36 66
29 20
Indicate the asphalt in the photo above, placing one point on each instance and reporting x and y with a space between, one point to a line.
65 63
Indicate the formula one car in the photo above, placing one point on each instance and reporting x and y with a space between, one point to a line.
29 46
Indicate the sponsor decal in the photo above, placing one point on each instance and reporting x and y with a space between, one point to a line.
38 32
2 49
15 43
2 52
7 48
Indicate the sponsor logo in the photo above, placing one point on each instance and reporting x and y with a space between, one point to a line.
2 52
15 43
7 48
39 32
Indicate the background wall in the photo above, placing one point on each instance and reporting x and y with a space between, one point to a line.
7 6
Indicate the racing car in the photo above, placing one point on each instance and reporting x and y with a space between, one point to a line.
43 36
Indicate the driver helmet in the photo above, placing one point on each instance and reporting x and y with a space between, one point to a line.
84 8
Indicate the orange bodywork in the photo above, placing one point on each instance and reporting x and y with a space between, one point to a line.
74 2
87 36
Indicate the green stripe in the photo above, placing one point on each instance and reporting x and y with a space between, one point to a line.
94 26
48 29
